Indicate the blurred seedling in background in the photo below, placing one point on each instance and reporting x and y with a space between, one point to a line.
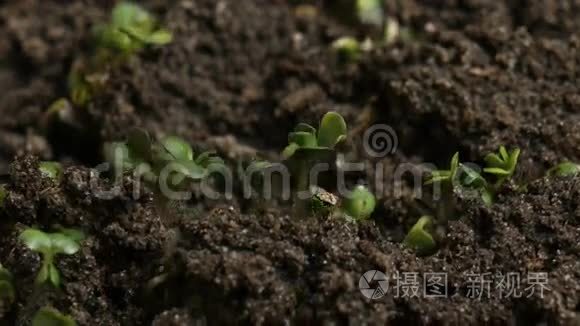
52 170
7 292
48 316
420 238
380 30
130 29
171 159
565 169
49 245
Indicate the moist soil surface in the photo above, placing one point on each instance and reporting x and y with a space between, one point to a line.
236 79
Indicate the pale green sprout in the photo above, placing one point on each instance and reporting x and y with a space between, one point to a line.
565 169
131 29
49 245
51 317
419 237
52 170
360 204
370 12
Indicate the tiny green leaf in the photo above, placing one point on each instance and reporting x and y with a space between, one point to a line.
52 170
63 244
304 127
348 48
43 274
493 160
290 150
496 171
370 11
419 239
53 275
36 240
127 14
360 204
332 130
303 139
178 148
565 169
73 234
503 153
160 37
50 317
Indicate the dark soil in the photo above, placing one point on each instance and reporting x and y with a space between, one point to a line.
238 76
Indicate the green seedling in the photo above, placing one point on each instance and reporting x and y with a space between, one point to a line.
347 48
419 237
308 146
131 29
52 170
49 245
447 177
502 165
7 293
148 158
565 169
370 12
51 317
360 204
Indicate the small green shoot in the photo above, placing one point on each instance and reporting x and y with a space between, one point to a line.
347 48
360 204
445 176
131 29
52 170
7 293
419 237
565 169
370 12
141 154
49 245
502 165
51 317
308 146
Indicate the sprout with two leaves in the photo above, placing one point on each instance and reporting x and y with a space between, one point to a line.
49 245
131 29
308 147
